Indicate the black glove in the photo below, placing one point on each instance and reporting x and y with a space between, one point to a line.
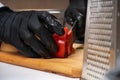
76 11
21 28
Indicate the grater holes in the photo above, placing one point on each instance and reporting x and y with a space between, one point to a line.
100 53
101 20
98 58
103 3
98 64
99 0
100 26
97 70
94 74
101 15
100 31
99 48
99 37
92 77
102 9
99 42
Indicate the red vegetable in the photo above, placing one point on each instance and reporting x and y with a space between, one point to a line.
64 44
69 43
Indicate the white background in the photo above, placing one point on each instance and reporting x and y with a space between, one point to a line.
13 72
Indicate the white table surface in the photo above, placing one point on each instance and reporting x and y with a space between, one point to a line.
13 72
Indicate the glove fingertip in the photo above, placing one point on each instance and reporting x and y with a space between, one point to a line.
60 32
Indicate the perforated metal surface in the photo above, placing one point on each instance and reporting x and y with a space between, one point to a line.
100 41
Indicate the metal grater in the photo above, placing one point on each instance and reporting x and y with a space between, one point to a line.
102 41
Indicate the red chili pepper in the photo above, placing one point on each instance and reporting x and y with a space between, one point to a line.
64 44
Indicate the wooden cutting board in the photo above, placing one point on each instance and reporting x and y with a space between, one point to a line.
71 66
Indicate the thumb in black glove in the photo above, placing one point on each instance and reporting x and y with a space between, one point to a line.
21 28
76 11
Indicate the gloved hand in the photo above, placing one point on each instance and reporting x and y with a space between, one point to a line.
21 28
76 11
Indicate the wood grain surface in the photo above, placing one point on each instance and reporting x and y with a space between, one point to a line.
71 66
